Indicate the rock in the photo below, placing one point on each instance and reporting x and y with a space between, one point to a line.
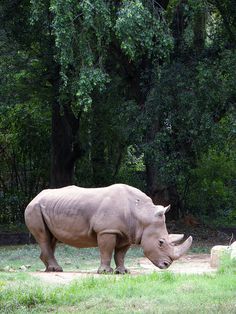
233 250
23 267
233 245
217 252
8 269
233 254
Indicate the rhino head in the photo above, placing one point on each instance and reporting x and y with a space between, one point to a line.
159 246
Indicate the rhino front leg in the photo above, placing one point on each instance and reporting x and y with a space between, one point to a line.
119 259
106 244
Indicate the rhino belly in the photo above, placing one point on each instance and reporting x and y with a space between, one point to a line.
72 230
78 241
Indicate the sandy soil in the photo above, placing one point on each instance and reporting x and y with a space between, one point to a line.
189 264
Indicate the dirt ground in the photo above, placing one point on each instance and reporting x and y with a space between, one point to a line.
189 264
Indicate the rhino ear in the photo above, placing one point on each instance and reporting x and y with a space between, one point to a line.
160 211
167 208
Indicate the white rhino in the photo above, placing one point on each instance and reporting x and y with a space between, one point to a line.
112 218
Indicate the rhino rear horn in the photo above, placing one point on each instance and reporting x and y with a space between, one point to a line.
181 249
174 238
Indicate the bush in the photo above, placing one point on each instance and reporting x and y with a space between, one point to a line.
213 192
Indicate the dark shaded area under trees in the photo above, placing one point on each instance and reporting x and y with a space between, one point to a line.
139 92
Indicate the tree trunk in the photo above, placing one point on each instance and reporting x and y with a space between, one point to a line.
199 29
162 194
99 163
62 163
179 24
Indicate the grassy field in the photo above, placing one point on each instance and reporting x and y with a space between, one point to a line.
154 293
71 259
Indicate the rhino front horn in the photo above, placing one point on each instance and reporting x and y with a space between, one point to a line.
181 249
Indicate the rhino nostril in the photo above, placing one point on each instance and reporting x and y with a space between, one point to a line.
163 265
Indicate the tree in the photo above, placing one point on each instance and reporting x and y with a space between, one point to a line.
212 181
150 80
190 95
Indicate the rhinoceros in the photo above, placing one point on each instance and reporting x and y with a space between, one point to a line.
112 218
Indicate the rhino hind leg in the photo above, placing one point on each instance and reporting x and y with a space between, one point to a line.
47 242
119 259
106 244
47 257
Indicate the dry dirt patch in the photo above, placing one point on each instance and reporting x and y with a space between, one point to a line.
189 264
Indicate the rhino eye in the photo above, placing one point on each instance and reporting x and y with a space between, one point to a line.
161 242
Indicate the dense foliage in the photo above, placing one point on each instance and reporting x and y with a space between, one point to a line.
140 92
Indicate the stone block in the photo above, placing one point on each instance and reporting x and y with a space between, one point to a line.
217 252
233 250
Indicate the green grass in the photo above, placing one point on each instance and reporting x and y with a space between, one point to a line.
163 292
69 258
154 293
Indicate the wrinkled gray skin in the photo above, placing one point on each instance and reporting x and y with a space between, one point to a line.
111 218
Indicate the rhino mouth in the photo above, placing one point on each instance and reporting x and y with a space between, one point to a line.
164 264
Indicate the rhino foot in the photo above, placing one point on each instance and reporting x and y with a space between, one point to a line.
54 269
122 270
105 270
